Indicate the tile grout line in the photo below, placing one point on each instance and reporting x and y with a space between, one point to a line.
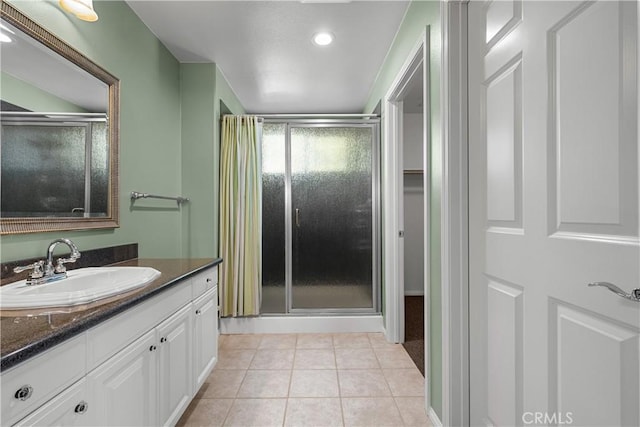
246 371
226 416
286 403
344 423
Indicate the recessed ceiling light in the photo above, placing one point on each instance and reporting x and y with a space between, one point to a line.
323 39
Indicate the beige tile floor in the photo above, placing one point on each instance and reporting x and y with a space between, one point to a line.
310 380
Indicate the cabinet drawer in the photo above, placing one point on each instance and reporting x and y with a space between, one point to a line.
37 380
69 408
204 281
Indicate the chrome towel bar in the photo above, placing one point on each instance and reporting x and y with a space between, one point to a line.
136 195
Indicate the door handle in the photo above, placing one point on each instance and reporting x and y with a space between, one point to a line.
297 217
633 296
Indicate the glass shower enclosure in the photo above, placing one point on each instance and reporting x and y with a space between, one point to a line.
320 216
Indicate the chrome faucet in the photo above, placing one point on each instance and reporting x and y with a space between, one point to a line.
46 272
60 268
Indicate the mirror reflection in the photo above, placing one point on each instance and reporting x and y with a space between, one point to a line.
54 165
59 132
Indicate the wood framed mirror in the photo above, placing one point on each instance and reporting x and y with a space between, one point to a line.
60 133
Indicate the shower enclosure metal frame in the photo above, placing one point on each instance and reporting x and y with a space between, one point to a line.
62 121
374 124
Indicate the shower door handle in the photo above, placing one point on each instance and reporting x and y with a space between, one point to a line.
297 217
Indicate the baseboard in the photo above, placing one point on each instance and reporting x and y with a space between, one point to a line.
433 417
301 324
410 293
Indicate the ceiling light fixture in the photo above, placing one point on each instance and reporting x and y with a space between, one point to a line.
323 39
82 9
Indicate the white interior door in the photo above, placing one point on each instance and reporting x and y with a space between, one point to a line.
553 149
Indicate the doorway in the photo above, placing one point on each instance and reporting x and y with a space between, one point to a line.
412 79
408 85
320 216
413 218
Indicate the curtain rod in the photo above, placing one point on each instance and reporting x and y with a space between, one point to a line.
309 116
260 119
55 114
321 116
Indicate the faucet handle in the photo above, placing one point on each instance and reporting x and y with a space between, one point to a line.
36 267
60 268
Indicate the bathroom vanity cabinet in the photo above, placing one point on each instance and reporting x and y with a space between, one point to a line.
141 367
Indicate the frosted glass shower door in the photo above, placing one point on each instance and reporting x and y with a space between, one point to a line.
332 217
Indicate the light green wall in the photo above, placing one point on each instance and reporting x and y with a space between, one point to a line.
223 94
418 16
150 150
25 95
203 87
198 82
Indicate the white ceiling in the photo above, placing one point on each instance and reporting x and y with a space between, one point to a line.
265 51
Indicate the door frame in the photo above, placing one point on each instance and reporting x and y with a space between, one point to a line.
374 125
328 121
455 214
393 184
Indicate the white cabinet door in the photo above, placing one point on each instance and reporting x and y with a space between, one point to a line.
553 184
123 391
174 369
69 408
205 336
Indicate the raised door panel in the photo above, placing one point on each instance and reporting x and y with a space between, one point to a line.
504 352
590 350
593 177
205 336
69 408
123 389
174 366
501 17
504 146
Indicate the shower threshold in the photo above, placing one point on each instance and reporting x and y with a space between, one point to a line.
295 323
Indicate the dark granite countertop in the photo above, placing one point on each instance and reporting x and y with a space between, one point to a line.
27 333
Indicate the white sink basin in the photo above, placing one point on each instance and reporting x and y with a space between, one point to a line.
82 286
